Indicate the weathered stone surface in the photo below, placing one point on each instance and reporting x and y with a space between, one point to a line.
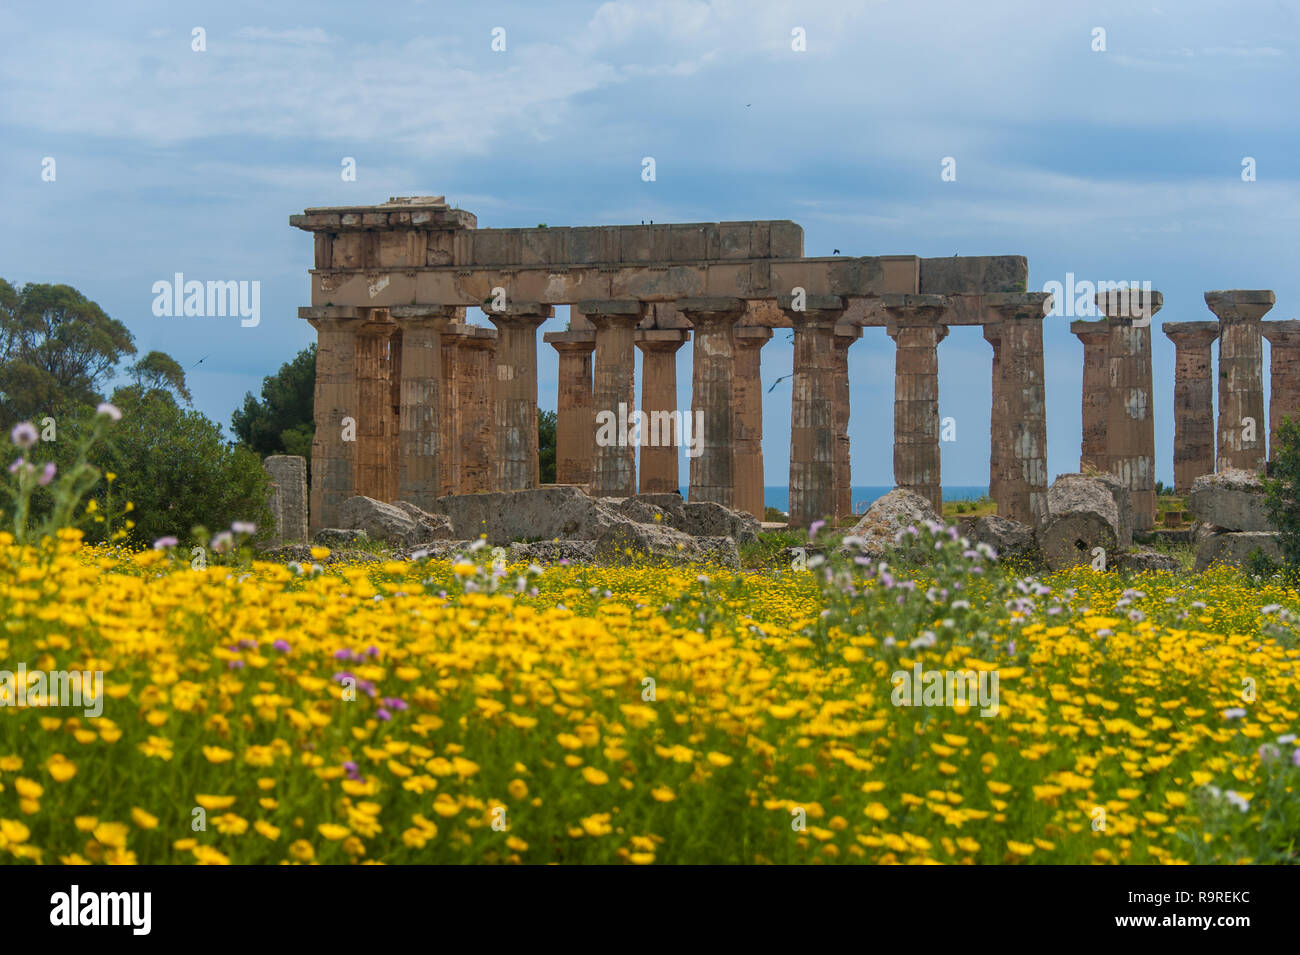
720 550
1235 548
301 554
544 513
436 550
887 516
1231 500
1011 540
708 519
630 542
643 512
672 504
288 478
551 552
1144 559
1081 517
339 537
429 527
385 522
1119 492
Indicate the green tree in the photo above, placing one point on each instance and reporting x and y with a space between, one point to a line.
283 421
1282 493
57 350
158 371
546 445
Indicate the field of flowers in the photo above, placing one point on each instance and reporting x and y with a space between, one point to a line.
459 712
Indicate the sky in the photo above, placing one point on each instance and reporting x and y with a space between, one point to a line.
1122 163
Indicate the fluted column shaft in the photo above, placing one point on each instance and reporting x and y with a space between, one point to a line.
1193 400
574 418
420 457
845 336
516 393
1284 368
476 390
916 331
1241 433
614 395
747 393
1022 484
1096 393
812 410
713 374
660 434
333 459
1130 425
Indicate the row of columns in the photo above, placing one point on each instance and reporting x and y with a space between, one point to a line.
1118 427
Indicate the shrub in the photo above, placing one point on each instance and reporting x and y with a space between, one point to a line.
1282 494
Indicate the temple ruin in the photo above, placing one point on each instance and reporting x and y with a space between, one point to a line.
413 402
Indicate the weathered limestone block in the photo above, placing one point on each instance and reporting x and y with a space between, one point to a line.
387 522
431 527
720 550
1082 516
900 508
1232 500
1235 548
553 552
1010 540
1143 559
288 475
671 505
545 513
635 509
709 519
628 542
1123 505
339 537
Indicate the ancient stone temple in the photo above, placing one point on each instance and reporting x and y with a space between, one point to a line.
413 402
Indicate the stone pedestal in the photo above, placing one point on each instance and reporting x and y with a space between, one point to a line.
575 422
1096 393
660 422
288 479
614 394
1241 434
1130 426
914 325
333 478
845 336
1284 393
712 400
812 409
516 393
476 435
1193 400
420 444
747 394
1022 483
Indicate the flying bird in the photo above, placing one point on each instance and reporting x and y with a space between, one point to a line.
199 362
778 381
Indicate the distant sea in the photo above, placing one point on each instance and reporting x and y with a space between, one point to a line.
779 497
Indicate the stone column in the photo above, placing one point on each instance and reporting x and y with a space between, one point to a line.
813 435
1241 442
376 432
660 432
1096 393
575 427
914 325
449 420
998 436
1130 427
476 433
1193 400
747 396
1022 480
334 447
845 336
712 377
1284 398
613 394
516 393
288 480
421 443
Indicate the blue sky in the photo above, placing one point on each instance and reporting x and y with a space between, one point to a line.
1122 164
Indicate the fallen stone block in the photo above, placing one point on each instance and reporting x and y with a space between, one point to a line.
1144 559
1010 540
1081 517
552 552
707 519
628 542
875 533
339 537
1235 548
1232 499
1123 506
381 521
288 499
429 527
720 550
561 512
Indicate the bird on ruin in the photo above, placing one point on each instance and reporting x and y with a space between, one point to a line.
835 252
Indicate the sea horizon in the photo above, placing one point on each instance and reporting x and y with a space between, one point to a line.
778 496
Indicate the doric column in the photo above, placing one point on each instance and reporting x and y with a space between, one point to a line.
1241 440
614 394
1096 393
1193 400
1284 398
420 445
845 336
914 325
449 419
812 408
574 420
747 396
376 474
660 423
712 398
333 459
516 392
1130 427
476 431
1022 482
998 436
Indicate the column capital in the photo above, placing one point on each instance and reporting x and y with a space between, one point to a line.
660 339
1240 305
1125 306
1190 333
318 315
519 314
1284 334
698 309
439 316
1016 306
907 308
475 336
895 330
846 333
604 313
1090 332
582 342
751 336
